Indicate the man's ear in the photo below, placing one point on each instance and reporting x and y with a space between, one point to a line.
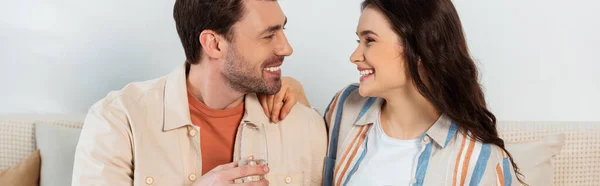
210 42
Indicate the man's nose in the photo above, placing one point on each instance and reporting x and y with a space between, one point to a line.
283 47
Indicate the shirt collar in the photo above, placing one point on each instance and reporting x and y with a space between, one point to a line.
253 111
441 132
176 106
370 111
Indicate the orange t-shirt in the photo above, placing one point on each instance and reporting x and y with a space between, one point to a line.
217 132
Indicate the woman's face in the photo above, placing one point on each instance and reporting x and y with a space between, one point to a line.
379 55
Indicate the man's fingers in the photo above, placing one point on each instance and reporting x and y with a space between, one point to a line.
249 170
225 167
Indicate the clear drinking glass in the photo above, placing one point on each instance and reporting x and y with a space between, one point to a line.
253 144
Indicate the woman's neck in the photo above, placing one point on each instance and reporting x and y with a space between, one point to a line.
406 114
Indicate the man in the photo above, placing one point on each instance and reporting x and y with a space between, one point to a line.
182 129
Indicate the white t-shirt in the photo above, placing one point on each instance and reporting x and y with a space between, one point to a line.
388 162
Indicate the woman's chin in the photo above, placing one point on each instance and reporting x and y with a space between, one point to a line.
364 91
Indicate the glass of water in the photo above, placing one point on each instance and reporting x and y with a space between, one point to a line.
253 144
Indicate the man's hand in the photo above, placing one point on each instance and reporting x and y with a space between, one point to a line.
224 175
278 106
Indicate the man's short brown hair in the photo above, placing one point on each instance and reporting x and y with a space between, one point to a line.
194 16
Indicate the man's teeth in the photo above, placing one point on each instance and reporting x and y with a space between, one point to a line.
365 72
273 69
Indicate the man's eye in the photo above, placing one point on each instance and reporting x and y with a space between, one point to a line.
270 36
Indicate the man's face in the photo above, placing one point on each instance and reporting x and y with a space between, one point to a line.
255 55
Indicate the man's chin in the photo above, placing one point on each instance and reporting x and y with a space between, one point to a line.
273 86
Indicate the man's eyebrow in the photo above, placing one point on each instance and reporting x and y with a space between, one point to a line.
274 27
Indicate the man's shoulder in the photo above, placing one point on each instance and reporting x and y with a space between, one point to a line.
304 116
303 111
132 92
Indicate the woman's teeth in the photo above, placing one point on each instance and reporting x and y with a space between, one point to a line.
366 72
273 69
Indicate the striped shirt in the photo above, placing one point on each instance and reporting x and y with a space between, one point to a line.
447 156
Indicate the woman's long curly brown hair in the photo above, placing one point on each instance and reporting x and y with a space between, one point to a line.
432 37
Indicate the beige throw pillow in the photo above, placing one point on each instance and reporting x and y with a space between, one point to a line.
533 158
26 173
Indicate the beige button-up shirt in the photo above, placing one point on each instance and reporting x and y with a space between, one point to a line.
143 135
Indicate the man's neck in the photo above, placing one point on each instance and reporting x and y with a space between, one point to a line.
210 87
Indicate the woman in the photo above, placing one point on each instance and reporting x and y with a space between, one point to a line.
419 115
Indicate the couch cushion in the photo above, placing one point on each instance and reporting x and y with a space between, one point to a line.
17 137
26 173
578 163
534 158
57 147
17 141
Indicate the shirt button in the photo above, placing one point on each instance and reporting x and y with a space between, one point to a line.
192 132
288 180
192 177
413 181
149 180
425 141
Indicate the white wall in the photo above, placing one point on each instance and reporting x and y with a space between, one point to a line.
62 56
537 57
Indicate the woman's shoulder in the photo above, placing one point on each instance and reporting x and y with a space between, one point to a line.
350 104
465 141
497 152
489 161
349 97
350 88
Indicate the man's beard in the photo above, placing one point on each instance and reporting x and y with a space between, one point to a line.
242 75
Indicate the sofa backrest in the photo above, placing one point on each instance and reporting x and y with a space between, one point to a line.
578 163
17 134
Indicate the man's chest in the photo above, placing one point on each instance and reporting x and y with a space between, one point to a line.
177 157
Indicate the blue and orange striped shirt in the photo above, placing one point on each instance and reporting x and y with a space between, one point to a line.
448 156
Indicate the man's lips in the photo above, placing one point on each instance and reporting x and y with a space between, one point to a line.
273 65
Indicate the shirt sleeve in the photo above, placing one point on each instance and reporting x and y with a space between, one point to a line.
104 151
500 171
